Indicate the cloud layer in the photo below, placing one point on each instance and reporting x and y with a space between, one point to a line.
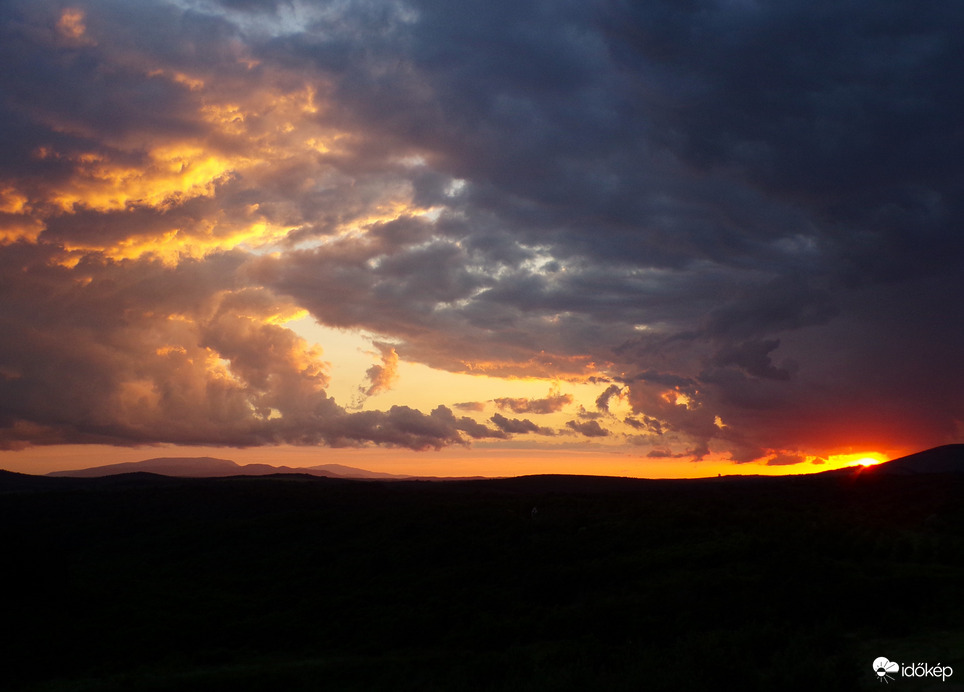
741 220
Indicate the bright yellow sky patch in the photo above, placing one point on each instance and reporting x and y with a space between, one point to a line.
855 459
351 354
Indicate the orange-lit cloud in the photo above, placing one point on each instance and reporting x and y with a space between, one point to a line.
168 176
383 376
71 27
219 171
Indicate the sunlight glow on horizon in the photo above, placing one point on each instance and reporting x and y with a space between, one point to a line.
858 459
867 461
481 459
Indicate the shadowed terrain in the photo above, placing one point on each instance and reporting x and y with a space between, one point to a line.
294 582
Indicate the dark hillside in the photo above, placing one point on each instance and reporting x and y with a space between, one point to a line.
945 459
302 583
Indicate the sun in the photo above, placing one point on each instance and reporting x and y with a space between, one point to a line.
866 461
862 459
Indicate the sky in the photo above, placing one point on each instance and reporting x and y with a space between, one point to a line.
663 238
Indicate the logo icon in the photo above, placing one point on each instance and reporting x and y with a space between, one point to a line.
882 667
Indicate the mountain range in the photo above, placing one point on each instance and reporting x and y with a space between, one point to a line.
210 467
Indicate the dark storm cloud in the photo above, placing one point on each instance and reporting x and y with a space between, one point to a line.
753 358
746 214
256 5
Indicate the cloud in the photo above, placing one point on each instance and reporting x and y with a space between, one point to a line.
602 401
752 357
383 376
142 352
589 428
659 453
549 404
145 353
650 424
400 426
785 460
663 197
519 425
472 428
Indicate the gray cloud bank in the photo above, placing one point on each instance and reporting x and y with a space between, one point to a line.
747 215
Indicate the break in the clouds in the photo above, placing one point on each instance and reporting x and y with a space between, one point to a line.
744 217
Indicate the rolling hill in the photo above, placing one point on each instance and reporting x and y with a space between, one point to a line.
944 459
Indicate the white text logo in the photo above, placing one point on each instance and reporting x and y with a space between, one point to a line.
886 669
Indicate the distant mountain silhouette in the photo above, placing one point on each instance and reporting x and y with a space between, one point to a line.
210 467
944 459
351 472
188 467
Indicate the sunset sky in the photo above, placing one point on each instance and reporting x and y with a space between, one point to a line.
662 238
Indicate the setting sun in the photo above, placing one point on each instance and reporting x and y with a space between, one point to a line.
868 460
857 459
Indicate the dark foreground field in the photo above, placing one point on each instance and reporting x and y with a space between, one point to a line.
293 583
